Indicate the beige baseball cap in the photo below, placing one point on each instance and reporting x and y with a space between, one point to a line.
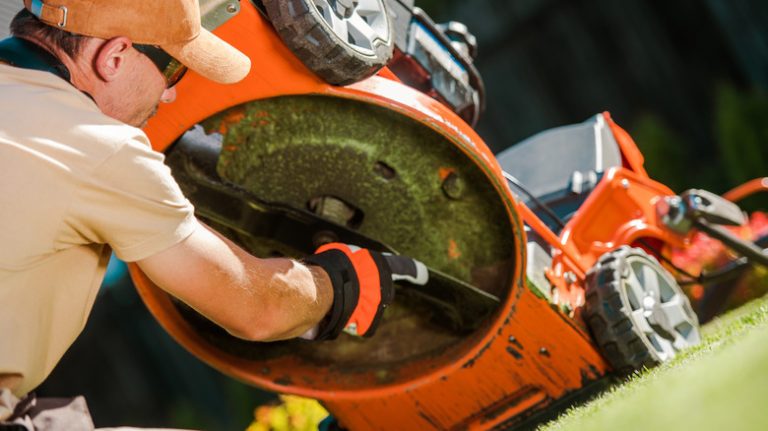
173 25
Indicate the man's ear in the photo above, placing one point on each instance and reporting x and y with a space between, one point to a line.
110 59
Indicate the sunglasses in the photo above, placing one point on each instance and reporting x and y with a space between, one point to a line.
171 68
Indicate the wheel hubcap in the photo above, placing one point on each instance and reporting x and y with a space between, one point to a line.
361 24
659 309
344 8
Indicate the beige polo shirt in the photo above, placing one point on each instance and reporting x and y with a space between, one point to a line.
73 183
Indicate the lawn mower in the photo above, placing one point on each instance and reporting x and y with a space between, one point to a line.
355 125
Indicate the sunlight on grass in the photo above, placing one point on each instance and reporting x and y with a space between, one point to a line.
720 384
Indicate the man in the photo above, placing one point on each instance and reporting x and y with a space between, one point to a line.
78 178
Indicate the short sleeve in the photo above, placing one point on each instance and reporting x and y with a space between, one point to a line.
132 202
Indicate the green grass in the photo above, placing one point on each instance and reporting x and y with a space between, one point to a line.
721 384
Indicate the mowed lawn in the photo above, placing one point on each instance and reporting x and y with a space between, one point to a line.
722 385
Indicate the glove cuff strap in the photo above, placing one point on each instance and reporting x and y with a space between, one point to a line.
346 291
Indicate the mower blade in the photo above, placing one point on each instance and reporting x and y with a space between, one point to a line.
469 306
456 304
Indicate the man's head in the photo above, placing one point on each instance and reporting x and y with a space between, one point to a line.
115 49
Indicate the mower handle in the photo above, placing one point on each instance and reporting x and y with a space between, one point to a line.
746 248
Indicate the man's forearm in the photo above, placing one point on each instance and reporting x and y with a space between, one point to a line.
254 299
296 298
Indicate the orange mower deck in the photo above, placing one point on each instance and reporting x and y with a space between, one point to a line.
529 353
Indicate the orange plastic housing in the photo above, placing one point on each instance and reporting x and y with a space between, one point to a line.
531 352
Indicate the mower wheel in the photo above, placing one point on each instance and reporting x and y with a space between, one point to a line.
342 41
638 315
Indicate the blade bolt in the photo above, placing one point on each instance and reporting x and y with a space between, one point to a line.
453 186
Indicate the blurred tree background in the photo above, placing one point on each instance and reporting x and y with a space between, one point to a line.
688 79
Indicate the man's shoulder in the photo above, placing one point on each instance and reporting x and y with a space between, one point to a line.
47 114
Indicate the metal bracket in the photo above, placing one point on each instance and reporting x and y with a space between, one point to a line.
679 213
214 13
706 212
708 206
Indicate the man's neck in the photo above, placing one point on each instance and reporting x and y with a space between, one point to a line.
23 53
77 73
78 69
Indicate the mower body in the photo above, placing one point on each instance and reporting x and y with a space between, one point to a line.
410 172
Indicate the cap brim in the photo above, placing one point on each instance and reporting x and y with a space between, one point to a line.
211 57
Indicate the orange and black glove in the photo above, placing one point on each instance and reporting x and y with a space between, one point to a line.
363 287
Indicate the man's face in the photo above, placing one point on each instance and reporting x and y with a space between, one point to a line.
134 94
124 82
149 89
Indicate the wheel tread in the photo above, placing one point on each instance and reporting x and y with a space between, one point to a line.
608 314
318 48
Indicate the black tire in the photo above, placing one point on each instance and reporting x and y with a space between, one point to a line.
635 324
302 26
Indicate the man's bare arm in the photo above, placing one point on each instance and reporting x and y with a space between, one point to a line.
254 299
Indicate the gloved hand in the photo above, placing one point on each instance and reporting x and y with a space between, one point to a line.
362 286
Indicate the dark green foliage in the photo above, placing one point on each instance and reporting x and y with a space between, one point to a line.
741 130
665 151
740 133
